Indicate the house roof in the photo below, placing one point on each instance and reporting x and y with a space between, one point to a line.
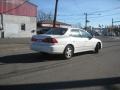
51 22
18 7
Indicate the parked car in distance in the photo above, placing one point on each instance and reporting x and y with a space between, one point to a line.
66 41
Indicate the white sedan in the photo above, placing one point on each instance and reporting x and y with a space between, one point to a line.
66 41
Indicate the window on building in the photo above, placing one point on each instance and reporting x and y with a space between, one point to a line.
23 27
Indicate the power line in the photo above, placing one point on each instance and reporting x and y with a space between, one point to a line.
68 16
76 5
94 13
105 11
105 15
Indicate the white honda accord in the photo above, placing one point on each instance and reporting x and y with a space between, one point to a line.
66 41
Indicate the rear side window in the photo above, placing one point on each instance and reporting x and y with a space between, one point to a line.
75 33
57 31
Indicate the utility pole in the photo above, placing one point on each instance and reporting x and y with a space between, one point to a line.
86 21
112 23
55 14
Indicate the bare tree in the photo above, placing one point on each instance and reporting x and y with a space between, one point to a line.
44 16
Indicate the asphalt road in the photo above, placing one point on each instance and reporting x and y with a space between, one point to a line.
24 69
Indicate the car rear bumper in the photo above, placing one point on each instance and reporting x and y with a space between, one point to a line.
51 49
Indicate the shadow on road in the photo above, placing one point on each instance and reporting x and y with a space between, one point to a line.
34 57
83 53
105 83
111 87
29 58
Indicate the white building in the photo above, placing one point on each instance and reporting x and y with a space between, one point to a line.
19 22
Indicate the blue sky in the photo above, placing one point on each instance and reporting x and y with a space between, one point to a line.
72 11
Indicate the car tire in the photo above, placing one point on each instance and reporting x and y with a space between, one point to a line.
68 52
97 48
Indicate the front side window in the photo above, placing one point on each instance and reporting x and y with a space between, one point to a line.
86 34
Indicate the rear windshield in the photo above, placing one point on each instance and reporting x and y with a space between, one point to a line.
57 31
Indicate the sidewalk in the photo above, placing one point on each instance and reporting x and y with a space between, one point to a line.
14 46
15 41
4 47
14 49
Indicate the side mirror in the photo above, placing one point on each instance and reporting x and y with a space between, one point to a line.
93 36
90 37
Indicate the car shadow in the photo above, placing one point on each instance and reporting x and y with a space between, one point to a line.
29 58
105 83
83 53
35 57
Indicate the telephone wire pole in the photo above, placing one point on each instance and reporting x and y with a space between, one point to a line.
55 14
86 20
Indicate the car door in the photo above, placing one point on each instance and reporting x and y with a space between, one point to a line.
88 43
77 40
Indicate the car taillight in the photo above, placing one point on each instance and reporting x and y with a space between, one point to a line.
50 40
33 39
